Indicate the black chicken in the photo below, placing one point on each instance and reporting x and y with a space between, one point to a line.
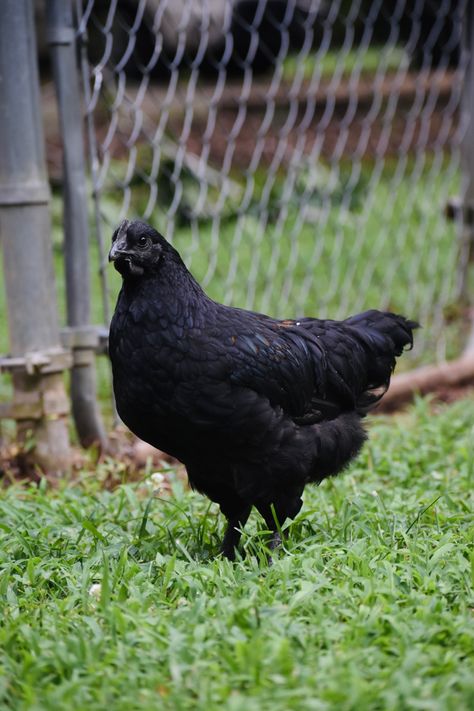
255 408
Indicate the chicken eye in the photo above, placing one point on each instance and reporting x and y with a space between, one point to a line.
142 241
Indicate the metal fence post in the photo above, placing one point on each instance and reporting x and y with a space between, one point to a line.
61 38
37 361
468 160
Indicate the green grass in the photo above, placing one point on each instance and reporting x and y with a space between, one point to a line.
370 606
366 60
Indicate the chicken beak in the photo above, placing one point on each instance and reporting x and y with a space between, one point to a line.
119 245
116 250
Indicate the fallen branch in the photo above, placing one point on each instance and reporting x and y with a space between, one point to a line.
428 379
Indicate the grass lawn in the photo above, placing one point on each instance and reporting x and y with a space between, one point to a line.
116 599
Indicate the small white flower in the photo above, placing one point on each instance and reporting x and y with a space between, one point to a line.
95 590
157 479
374 493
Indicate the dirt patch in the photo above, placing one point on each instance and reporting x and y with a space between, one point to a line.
360 118
356 121
127 459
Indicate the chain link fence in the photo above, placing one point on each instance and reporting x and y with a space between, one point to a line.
299 154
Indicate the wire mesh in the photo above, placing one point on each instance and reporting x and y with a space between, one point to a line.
299 154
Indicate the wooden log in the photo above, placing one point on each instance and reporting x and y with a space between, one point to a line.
428 379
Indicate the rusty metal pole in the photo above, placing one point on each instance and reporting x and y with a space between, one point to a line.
36 361
62 41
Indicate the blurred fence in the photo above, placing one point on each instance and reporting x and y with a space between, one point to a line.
300 154
306 157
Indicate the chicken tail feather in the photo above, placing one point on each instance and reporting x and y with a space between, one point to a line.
384 336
